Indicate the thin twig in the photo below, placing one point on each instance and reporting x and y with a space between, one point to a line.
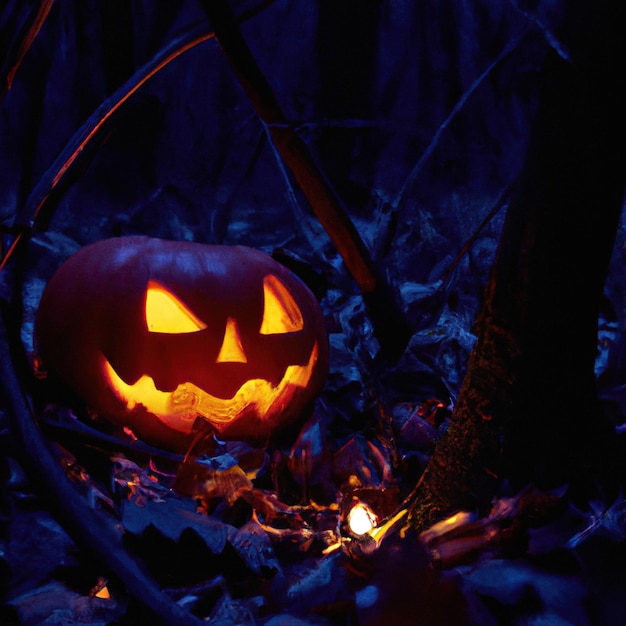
458 107
495 209
76 148
293 151
388 319
89 530
550 37
84 141
21 46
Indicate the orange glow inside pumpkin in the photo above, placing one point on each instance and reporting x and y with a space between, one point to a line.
280 311
231 351
165 313
178 409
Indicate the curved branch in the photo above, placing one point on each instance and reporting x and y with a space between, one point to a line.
22 43
388 319
84 142
89 530
458 107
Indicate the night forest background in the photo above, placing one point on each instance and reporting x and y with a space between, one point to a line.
434 122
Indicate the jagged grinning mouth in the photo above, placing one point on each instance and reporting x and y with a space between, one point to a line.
179 409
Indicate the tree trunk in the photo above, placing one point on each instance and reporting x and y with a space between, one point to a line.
528 410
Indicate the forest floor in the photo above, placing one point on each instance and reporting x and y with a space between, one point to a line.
244 536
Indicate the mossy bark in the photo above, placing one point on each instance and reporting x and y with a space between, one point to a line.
528 410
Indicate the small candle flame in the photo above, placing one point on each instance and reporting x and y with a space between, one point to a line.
361 519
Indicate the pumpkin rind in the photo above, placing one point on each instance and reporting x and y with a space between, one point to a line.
94 333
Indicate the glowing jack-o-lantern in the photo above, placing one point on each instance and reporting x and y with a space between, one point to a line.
154 334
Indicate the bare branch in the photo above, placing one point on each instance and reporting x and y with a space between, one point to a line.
90 530
21 46
387 317
458 107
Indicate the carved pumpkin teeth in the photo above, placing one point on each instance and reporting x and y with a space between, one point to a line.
224 333
179 409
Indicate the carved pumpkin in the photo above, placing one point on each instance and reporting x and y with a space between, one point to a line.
154 333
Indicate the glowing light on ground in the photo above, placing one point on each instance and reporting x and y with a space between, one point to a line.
361 519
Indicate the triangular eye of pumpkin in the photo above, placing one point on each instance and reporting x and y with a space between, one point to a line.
165 313
281 314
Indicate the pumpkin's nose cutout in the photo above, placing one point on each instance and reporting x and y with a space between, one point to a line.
231 351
